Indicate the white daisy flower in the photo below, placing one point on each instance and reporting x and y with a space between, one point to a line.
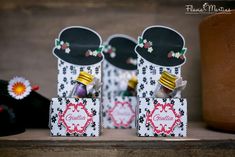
141 45
19 87
106 48
177 55
134 61
95 53
67 50
112 55
58 47
90 52
150 49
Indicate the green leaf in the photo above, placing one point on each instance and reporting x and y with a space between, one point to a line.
100 48
183 51
106 46
140 40
57 42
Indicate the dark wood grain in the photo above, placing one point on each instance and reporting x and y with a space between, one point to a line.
200 142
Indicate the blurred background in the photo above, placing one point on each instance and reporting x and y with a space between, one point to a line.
28 30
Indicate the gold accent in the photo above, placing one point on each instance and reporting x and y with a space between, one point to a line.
169 76
167 85
168 80
85 78
133 82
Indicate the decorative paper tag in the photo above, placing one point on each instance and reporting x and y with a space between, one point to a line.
163 118
75 118
116 108
122 114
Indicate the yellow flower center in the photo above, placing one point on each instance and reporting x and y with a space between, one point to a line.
19 88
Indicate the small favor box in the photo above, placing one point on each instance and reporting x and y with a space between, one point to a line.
78 49
162 117
160 49
119 66
75 117
119 112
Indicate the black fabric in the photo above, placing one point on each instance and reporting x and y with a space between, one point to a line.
16 115
10 123
80 40
125 49
164 40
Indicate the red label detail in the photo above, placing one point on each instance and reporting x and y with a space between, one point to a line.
122 114
75 118
163 118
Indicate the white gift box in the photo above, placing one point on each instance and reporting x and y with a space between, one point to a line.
119 67
159 116
75 117
148 74
114 82
162 117
119 112
77 49
85 107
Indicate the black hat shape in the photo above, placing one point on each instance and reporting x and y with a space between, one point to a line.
31 111
79 45
10 123
119 50
162 46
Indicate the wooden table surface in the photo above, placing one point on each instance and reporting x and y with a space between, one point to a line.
199 142
196 132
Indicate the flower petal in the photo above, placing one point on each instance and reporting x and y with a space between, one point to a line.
19 87
67 50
